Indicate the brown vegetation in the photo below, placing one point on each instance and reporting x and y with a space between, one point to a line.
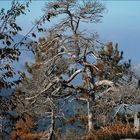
23 129
114 132
81 118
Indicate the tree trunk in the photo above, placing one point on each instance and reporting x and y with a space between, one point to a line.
90 107
136 123
52 126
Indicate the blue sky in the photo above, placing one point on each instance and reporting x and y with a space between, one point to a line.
121 24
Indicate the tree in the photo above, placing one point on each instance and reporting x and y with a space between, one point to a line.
9 53
9 50
62 57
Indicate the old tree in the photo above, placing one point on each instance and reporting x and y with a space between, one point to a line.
72 68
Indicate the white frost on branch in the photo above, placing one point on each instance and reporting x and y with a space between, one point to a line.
59 54
73 75
104 82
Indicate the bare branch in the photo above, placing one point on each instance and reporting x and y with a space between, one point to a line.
77 25
93 54
37 95
52 126
59 54
90 65
104 82
73 75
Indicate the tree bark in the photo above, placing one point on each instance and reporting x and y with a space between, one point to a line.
136 123
52 126
90 107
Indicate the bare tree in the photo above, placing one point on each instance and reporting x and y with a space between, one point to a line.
62 58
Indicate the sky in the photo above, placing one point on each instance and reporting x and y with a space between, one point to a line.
121 24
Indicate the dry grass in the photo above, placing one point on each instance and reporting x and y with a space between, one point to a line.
72 120
23 129
114 132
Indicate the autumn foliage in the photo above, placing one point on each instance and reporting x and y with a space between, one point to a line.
114 132
23 130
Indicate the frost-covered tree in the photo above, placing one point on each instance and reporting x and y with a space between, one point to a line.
71 67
